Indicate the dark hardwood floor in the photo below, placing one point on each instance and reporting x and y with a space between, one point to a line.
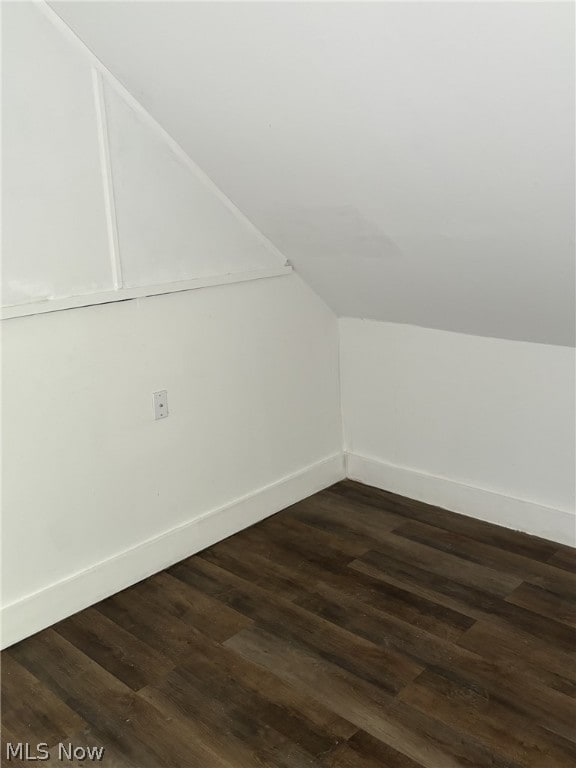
356 629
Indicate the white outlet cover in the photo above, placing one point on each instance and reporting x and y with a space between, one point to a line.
160 404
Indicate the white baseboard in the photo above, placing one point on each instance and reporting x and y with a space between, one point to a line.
57 601
527 516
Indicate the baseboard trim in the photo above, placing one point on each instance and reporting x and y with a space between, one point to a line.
520 515
41 609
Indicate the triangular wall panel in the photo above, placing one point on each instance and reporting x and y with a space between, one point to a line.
172 223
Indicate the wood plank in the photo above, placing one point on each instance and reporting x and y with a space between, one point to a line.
117 713
121 653
449 565
528 655
284 528
236 741
564 558
473 602
513 541
364 751
363 523
545 603
302 556
505 681
275 560
31 712
368 661
545 575
317 546
499 727
257 709
315 725
153 623
275 583
419 737
208 616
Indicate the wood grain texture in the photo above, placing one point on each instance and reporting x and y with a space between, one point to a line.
356 629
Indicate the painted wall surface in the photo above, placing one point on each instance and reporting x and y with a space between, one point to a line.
95 493
170 226
414 161
54 238
493 414
252 377
96 196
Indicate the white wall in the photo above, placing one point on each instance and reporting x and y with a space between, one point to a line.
96 494
171 224
54 234
98 198
252 377
414 161
443 416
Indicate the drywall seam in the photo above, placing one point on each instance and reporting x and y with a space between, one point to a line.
125 294
56 601
176 149
519 514
107 182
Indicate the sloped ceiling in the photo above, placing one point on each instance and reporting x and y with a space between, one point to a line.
414 161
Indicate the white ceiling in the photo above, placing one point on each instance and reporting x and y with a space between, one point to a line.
414 161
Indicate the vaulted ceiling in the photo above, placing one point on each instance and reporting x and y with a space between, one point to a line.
414 161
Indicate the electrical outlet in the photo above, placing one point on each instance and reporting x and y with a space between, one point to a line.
160 404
